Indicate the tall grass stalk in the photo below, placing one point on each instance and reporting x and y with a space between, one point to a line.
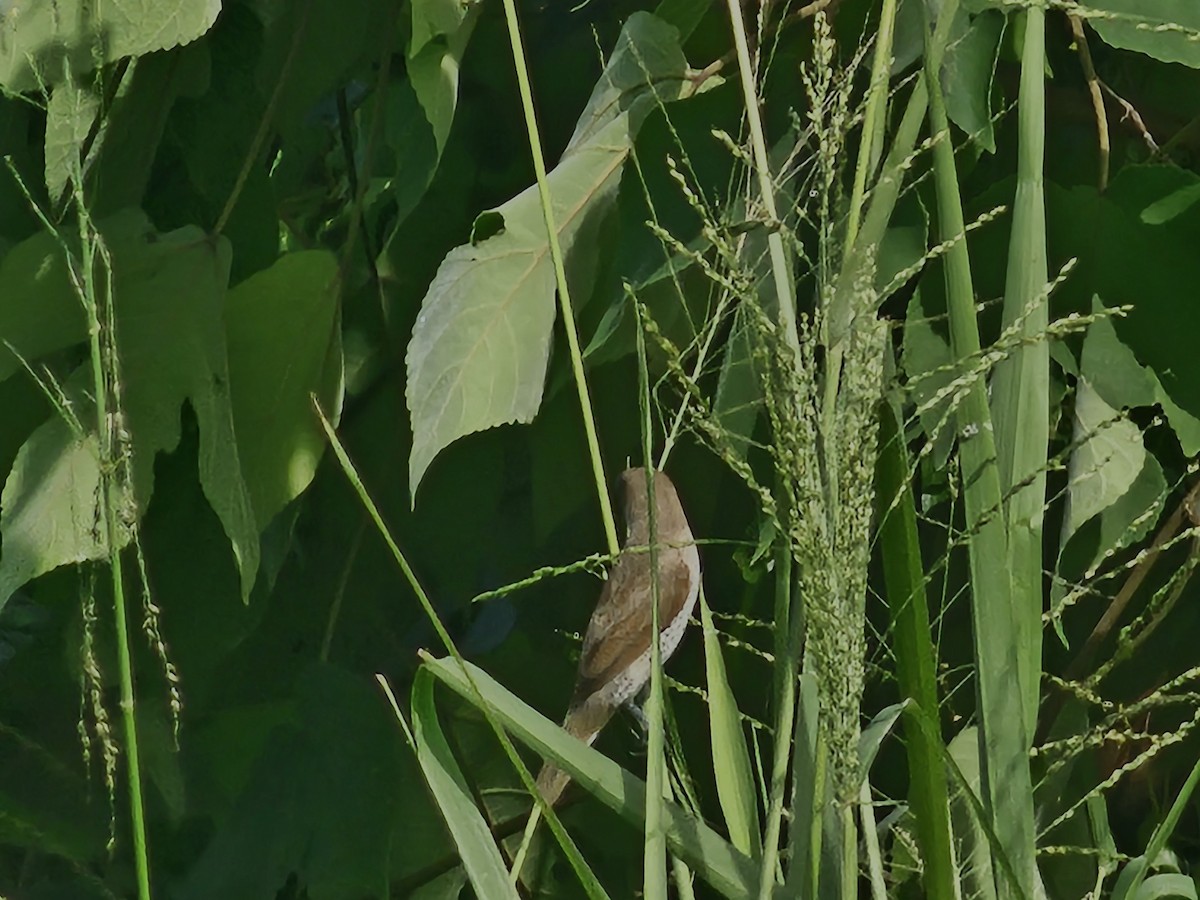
1021 384
785 646
916 656
560 275
587 878
1004 742
115 496
874 118
654 862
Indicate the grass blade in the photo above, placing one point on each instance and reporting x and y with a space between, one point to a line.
916 658
1021 385
731 758
1004 736
476 848
729 872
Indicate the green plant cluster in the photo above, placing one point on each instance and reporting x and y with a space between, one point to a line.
325 326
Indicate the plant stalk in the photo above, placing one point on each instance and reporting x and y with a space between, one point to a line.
108 465
560 275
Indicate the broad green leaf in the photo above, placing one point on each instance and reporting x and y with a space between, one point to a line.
685 15
45 804
927 362
72 108
420 109
476 847
37 40
168 291
330 37
1109 458
967 76
478 353
434 73
1125 261
1163 29
731 759
132 132
728 871
1174 204
283 347
319 802
1110 472
49 515
432 19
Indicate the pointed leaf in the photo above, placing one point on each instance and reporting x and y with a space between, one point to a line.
731 759
283 347
168 291
36 38
728 871
478 353
476 847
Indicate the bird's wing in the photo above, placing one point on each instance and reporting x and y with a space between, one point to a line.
619 631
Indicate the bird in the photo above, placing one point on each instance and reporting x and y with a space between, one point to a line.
615 661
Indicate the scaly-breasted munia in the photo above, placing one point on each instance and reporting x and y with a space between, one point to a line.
615 662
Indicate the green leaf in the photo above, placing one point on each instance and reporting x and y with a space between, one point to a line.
328 38
1169 884
731 759
168 292
38 39
872 737
1108 460
45 803
1126 261
421 109
476 847
319 802
1163 29
436 18
478 353
1110 474
727 870
928 366
72 108
975 859
283 347
1174 204
913 646
967 74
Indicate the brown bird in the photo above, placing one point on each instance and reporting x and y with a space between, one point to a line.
615 663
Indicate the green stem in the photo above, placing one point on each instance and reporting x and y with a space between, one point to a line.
785 712
762 165
1004 744
654 870
916 657
560 274
873 119
108 463
586 877
136 811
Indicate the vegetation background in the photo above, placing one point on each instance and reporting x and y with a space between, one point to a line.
902 291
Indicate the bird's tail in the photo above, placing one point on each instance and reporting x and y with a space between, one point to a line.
584 723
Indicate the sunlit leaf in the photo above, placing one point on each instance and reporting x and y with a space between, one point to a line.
38 40
478 353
